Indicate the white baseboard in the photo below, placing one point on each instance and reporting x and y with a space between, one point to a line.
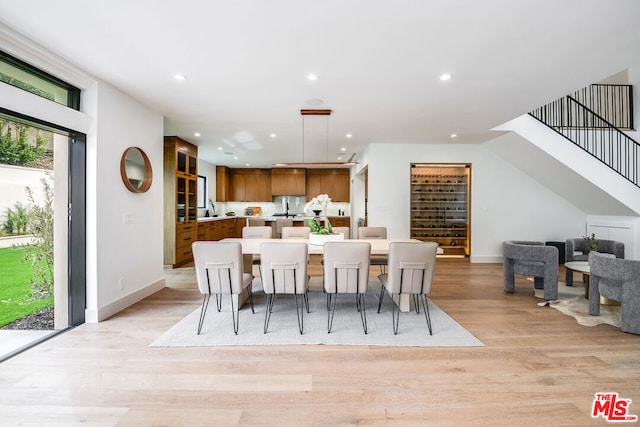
486 259
95 316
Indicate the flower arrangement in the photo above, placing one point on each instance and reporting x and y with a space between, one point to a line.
315 226
592 243
321 201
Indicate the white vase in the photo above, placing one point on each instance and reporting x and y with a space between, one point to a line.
320 239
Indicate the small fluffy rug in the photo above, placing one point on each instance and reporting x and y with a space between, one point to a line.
217 329
571 301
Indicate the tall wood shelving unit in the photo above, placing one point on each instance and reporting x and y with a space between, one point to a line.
440 206
180 194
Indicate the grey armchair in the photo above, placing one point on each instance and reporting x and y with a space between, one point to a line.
531 259
576 249
618 279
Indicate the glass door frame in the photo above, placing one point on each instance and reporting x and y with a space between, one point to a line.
76 227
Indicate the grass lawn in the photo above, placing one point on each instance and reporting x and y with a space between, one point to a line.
15 278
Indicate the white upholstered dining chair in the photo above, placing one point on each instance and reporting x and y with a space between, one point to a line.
346 271
411 266
257 232
284 271
375 233
219 270
295 232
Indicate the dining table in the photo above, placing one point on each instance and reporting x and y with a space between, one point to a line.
251 247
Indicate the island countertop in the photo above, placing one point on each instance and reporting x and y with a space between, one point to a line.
267 218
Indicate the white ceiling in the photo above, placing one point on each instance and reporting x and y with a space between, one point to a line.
379 63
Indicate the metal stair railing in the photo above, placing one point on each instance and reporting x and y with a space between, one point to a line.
594 134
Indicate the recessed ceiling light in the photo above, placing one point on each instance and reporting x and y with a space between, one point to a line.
272 135
349 135
444 77
219 148
196 134
180 77
453 135
235 157
312 77
343 149
247 164
339 158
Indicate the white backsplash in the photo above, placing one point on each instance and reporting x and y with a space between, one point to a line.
296 206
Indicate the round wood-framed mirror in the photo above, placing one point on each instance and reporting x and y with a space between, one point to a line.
135 170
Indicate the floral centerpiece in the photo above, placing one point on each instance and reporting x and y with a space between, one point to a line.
318 204
320 234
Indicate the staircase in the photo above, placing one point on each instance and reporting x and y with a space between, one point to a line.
593 119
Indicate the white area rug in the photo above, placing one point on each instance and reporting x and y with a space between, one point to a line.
571 301
347 326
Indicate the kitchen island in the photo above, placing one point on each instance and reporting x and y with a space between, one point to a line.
220 227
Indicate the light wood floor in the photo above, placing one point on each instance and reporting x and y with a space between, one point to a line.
539 367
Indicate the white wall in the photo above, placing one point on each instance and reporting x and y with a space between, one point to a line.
13 182
506 204
623 229
125 260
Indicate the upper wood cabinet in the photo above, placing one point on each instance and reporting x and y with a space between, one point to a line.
250 185
223 188
333 182
288 182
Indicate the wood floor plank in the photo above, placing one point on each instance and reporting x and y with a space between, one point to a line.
538 367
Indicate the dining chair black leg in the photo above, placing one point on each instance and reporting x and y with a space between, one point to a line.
203 311
416 303
306 301
425 305
267 314
363 311
251 299
332 298
300 312
235 314
381 296
395 316
219 302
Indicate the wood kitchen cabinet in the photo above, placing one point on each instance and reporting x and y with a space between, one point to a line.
340 221
333 182
180 179
250 185
219 229
223 184
288 182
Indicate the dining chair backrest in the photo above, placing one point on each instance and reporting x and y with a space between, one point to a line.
410 267
372 232
284 267
256 222
219 267
257 232
343 230
346 267
295 232
278 224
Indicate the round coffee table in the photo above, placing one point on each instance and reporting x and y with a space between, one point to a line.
584 268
